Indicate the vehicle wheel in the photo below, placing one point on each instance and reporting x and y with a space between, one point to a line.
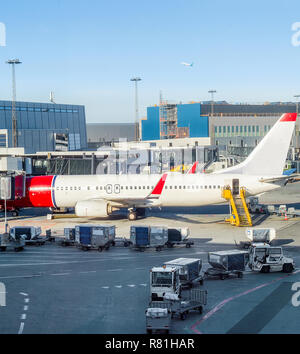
14 213
132 216
201 282
287 268
17 249
113 243
188 245
167 331
222 276
149 331
240 275
200 309
265 269
3 249
169 245
183 316
126 244
100 249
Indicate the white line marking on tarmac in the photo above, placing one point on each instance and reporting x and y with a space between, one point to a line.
23 317
26 300
58 274
25 308
90 271
114 270
143 284
105 287
22 276
24 294
21 328
118 286
131 285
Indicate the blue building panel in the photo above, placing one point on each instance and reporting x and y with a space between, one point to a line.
150 127
189 115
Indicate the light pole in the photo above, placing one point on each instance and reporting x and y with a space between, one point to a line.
136 80
13 62
296 125
212 101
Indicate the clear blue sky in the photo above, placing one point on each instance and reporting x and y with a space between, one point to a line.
87 51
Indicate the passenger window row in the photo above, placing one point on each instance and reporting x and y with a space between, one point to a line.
142 187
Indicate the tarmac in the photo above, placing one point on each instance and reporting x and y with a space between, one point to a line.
63 290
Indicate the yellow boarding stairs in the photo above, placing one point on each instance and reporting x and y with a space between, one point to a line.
240 215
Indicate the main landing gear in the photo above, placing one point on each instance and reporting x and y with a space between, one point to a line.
134 213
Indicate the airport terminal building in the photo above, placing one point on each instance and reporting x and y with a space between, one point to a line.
44 126
226 125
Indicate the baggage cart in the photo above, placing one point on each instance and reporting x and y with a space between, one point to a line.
158 318
142 237
225 263
97 237
6 240
178 236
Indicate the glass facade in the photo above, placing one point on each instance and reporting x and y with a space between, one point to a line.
39 123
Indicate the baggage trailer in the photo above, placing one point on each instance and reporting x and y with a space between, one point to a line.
99 237
178 236
69 239
142 237
6 240
158 318
195 300
189 270
258 235
225 263
30 234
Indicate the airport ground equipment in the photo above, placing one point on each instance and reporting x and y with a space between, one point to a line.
122 241
280 211
69 237
194 300
98 237
164 280
225 263
17 242
265 258
49 236
240 213
158 319
258 235
254 206
189 271
142 237
179 236
30 234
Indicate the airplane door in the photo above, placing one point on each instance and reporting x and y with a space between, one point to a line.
235 186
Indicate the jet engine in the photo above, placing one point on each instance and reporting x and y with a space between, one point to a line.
92 208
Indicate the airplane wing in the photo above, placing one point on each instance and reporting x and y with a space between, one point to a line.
151 199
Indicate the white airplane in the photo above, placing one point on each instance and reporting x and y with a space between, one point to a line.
100 195
187 64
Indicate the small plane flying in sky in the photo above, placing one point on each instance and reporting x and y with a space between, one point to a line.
187 64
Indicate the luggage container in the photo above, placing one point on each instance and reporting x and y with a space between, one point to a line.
30 234
178 236
258 236
189 270
158 319
17 242
142 237
93 237
225 263
69 237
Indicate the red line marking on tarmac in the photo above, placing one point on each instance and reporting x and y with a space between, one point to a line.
224 302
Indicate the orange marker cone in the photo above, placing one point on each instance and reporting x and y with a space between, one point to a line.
285 217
